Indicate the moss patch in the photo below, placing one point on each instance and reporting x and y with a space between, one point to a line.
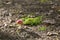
32 21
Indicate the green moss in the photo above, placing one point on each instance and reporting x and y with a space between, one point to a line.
43 28
43 1
29 21
32 21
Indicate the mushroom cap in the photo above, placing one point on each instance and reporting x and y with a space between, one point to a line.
20 21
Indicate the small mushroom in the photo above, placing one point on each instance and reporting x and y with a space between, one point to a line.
20 21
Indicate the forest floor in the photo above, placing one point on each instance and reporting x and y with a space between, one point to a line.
12 10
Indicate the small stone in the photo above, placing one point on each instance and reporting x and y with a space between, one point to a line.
30 16
5 24
49 21
51 11
8 2
25 27
52 33
59 10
